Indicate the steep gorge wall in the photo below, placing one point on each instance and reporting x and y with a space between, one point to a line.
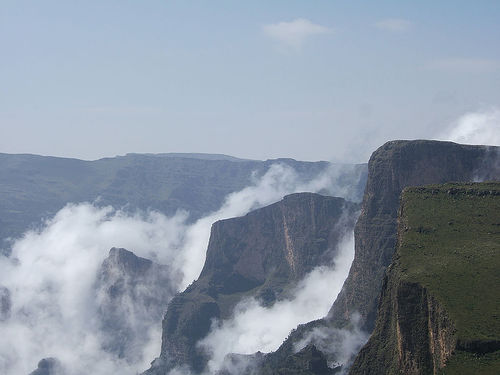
439 297
263 255
394 166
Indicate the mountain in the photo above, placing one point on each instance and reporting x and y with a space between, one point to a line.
439 310
263 254
132 294
392 167
33 187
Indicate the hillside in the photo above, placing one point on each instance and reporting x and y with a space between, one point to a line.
439 310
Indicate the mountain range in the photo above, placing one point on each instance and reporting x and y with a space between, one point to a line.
288 260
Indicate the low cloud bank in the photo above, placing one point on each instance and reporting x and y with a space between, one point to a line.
48 282
51 276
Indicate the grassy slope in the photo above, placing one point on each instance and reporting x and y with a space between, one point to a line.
451 246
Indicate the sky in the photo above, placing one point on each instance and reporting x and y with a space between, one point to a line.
321 80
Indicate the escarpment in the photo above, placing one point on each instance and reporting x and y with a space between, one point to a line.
263 254
392 167
438 312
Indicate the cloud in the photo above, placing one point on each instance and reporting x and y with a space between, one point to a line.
464 65
481 127
254 327
394 25
51 274
295 33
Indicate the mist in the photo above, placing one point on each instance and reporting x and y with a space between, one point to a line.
51 274
478 128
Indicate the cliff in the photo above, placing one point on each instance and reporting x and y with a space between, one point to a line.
262 254
439 309
391 168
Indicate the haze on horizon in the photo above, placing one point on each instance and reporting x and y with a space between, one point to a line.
258 80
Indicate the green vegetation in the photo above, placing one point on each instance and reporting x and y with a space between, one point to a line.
450 244
469 363
440 300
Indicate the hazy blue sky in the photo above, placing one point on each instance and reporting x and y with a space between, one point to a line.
258 79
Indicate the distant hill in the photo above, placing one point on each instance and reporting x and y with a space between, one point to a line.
193 155
33 187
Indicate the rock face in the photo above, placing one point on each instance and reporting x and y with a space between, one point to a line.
437 313
132 295
262 254
391 168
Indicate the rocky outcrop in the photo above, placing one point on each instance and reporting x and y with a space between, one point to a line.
49 366
435 299
262 254
132 294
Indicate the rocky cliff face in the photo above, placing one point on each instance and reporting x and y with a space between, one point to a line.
436 312
391 168
262 254
132 294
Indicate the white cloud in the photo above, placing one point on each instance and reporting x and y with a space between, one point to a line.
464 65
51 276
394 24
475 128
294 34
